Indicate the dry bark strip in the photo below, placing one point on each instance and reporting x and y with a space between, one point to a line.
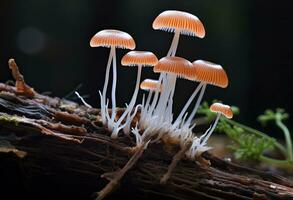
52 148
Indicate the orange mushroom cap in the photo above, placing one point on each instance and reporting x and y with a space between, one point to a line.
172 20
175 65
210 73
109 37
145 58
150 84
223 109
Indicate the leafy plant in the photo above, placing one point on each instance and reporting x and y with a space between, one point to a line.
250 143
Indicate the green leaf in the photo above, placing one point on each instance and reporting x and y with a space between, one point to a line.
246 144
270 115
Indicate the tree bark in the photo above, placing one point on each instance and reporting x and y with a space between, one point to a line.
51 148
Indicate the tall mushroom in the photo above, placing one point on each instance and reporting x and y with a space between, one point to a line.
206 73
112 39
140 59
178 22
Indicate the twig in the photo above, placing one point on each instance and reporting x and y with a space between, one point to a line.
21 87
119 175
178 156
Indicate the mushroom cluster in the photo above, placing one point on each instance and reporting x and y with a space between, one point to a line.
156 119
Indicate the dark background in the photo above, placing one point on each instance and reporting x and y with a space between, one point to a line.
50 41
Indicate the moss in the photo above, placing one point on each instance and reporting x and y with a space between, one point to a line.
91 117
8 119
67 107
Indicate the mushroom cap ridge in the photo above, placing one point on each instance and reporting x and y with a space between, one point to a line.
145 58
172 20
210 73
111 37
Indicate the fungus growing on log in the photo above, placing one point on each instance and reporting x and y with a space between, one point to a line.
139 59
147 108
220 109
38 137
177 67
111 39
206 73
156 113
180 23
82 137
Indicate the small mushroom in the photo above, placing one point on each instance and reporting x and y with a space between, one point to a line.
220 109
140 59
151 86
112 39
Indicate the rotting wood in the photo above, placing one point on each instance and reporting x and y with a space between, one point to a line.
56 141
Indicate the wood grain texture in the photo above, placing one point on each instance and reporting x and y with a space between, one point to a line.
55 149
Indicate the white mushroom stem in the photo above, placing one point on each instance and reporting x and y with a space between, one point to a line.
107 113
171 83
179 118
167 92
208 133
174 44
191 116
133 99
126 127
168 117
170 78
103 96
114 87
165 104
161 106
148 99
156 96
103 108
145 106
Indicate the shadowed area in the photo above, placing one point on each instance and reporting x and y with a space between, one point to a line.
250 39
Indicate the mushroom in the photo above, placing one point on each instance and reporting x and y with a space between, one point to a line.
198 145
220 109
112 39
151 86
176 66
206 73
178 22
140 59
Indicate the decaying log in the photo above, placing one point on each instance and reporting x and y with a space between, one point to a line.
51 148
